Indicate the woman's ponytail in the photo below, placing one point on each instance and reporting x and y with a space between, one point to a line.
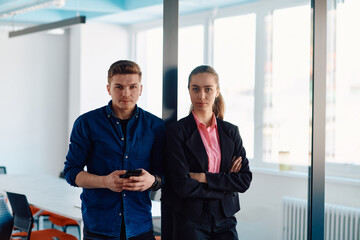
219 107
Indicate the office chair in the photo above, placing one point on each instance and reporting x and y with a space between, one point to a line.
23 221
37 215
55 219
6 220
34 210
63 222
59 220
2 170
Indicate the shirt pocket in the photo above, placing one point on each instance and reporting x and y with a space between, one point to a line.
145 145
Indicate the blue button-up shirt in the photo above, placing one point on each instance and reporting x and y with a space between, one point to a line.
98 143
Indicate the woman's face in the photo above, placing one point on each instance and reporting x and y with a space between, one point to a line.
203 90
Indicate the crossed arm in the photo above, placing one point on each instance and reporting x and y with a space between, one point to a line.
201 177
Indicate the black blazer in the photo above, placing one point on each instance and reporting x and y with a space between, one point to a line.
186 153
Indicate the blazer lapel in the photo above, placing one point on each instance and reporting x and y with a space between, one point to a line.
196 146
227 148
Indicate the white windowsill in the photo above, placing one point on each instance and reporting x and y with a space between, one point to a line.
302 175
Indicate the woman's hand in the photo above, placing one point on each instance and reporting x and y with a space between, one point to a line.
236 166
200 177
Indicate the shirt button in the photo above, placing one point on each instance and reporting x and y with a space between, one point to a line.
122 139
126 156
108 116
120 214
117 123
124 195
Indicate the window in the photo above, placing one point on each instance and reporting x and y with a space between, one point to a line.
343 90
342 146
234 60
149 49
287 106
262 52
191 52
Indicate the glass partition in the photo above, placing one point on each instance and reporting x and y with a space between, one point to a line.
149 55
234 59
342 185
261 51
191 53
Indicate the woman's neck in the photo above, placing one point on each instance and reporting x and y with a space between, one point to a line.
204 116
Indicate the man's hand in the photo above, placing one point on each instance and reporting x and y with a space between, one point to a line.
200 177
111 181
114 182
236 166
139 183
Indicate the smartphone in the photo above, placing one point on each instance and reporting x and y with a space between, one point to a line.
130 173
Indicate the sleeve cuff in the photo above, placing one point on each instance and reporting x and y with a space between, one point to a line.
71 176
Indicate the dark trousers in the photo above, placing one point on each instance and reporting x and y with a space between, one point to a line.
208 228
166 221
93 236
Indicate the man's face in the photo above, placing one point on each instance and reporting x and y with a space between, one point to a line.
124 90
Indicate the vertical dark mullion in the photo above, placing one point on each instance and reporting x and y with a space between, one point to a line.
316 198
170 60
170 86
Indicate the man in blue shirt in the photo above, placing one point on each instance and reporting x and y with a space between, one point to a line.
108 141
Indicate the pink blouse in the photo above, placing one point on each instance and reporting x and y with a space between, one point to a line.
210 139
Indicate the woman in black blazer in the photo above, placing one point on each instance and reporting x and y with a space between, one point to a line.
206 165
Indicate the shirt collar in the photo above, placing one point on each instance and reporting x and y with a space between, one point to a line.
198 123
110 113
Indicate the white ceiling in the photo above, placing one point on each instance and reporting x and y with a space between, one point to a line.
112 11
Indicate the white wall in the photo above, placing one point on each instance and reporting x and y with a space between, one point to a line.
93 48
101 46
33 93
46 82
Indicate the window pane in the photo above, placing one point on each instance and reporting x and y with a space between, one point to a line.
342 185
149 56
191 51
234 60
261 51
287 88
343 106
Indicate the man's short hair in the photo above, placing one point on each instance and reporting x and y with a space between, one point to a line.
123 67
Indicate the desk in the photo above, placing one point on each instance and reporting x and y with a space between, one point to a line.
46 192
51 194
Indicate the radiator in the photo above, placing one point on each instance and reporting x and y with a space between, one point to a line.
341 222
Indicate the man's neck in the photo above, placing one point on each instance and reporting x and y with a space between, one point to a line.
124 114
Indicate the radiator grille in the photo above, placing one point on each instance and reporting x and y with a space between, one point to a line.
341 222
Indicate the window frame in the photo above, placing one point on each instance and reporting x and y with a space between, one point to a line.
207 19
